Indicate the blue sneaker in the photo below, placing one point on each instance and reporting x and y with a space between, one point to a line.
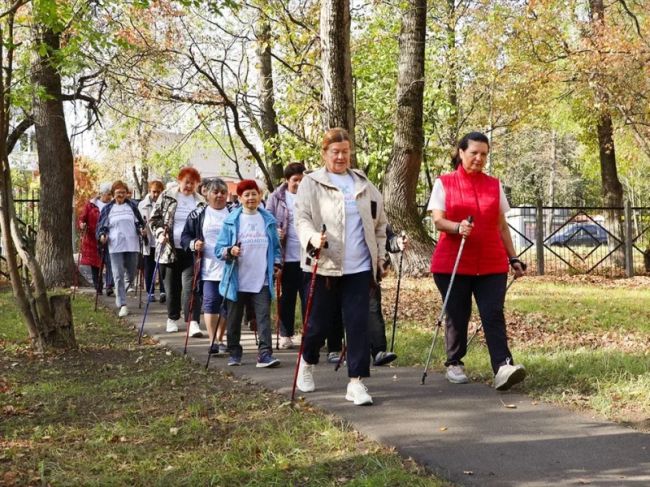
234 360
214 349
265 359
223 348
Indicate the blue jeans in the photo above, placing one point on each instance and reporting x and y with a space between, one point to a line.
346 296
124 266
261 303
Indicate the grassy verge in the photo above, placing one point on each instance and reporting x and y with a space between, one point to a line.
585 341
114 413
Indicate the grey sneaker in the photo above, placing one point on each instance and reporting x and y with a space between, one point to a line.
508 375
383 358
333 358
456 374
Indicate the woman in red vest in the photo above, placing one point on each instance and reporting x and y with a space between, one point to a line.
483 267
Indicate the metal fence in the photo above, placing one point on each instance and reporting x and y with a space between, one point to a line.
26 203
608 241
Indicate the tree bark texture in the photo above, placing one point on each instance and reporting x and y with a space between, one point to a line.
338 101
452 77
268 116
54 240
402 174
612 189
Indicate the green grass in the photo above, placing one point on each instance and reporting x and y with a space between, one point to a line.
574 341
114 413
584 307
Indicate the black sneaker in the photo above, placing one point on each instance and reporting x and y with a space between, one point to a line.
163 298
109 292
214 349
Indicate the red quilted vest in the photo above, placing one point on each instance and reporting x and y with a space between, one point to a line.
474 194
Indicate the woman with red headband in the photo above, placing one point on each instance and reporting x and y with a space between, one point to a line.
250 245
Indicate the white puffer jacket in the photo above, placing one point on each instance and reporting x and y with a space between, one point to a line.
320 202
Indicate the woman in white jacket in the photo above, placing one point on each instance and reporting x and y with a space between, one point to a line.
352 209
146 207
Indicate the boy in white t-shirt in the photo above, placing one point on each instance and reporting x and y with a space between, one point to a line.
250 245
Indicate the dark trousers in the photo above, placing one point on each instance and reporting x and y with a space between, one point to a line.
376 323
261 304
178 284
97 284
346 296
149 267
489 291
292 286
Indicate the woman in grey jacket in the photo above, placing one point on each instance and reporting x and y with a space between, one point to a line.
351 258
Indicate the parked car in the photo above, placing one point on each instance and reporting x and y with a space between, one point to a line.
586 234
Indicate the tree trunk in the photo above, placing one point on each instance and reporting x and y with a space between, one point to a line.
612 189
402 174
338 101
54 240
268 117
452 76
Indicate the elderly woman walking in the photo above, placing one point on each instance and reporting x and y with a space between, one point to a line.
200 236
351 258
121 228
170 214
483 267
149 251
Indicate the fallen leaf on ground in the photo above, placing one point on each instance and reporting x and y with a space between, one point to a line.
443 428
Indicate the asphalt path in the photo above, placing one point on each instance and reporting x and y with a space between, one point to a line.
469 434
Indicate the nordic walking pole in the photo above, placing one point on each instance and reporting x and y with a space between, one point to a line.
399 283
75 284
444 303
156 270
278 292
305 320
140 273
102 256
195 275
223 306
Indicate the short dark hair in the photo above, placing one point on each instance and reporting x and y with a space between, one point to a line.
464 143
293 169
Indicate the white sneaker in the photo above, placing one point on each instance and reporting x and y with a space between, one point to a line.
124 311
456 374
508 375
172 325
195 330
305 380
286 343
358 393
